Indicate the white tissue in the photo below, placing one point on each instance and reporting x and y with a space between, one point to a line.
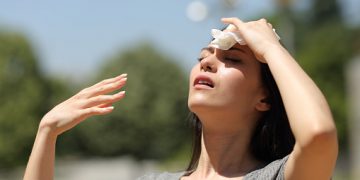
226 40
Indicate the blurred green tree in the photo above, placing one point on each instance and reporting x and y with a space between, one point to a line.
23 98
326 45
324 11
150 122
323 46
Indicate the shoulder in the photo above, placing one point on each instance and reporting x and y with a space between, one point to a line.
162 176
274 170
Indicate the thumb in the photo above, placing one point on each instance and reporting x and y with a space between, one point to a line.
233 20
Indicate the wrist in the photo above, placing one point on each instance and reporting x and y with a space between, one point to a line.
47 131
273 51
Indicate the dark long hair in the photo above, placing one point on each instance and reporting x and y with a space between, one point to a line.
272 137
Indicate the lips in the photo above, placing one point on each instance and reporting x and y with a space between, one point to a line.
203 82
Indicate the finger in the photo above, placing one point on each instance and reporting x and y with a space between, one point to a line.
263 20
111 80
88 92
106 88
93 111
235 21
103 99
105 105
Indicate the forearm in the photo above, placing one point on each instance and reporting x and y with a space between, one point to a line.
41 161
308 112
89 102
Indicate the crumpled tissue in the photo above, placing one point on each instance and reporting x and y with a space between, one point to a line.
225 40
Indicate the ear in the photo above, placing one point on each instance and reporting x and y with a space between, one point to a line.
263 105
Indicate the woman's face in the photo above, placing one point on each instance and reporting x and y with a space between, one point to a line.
227 81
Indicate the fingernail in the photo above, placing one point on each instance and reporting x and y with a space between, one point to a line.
122 75
121 92
110 107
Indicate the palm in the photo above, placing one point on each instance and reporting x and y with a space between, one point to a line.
88 102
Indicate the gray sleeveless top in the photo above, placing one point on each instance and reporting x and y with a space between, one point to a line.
272 171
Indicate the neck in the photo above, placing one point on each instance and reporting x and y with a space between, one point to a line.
225 154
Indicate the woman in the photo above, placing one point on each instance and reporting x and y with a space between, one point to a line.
233 104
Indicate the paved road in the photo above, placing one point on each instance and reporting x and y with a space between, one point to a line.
123 168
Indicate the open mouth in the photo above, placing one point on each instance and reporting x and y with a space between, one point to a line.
203 81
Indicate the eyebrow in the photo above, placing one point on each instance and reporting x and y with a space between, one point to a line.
210 49
237 49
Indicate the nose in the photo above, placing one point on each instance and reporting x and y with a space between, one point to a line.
208 64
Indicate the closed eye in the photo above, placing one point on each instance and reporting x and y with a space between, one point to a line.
200 59
233 60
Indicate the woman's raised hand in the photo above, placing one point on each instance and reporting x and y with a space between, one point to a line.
258 35
90 101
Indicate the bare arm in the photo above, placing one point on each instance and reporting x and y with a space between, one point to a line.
315 152
88 102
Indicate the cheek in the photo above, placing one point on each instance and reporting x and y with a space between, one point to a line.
232 80
236 88
193 71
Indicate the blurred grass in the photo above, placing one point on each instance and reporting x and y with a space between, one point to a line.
178 161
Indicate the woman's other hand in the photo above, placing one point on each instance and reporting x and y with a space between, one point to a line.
258 35
90 101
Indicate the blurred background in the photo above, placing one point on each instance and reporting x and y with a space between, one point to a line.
49 50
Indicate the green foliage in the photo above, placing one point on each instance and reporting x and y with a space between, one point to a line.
325 10
26 95
22 98
324 45
150 122
324 57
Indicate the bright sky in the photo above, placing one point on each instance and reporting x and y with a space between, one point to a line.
72 37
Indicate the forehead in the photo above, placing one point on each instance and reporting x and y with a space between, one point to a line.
243 48
236 48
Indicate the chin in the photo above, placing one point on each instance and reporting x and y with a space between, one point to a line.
200 105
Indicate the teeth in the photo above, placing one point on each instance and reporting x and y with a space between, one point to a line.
204 82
